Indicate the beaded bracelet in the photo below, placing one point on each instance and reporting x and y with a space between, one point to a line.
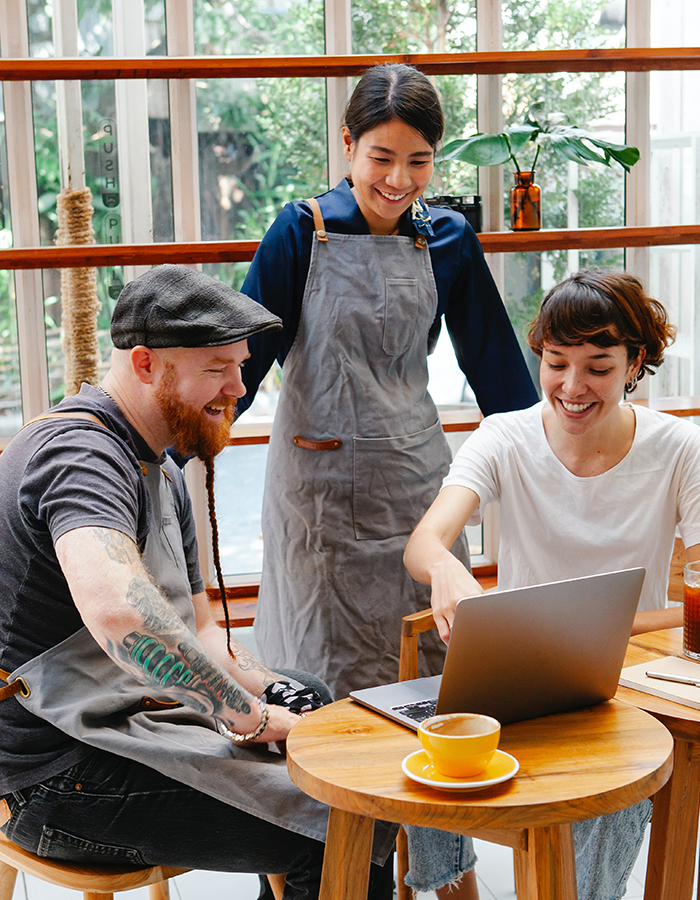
244 738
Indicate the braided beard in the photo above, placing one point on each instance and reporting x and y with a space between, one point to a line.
191 431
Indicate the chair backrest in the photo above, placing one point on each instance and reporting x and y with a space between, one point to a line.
411 626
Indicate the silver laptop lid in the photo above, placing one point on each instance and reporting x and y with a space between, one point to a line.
532 651
525 652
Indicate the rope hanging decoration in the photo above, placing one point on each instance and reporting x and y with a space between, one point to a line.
78 293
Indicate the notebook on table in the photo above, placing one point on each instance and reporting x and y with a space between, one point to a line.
688 695
523 653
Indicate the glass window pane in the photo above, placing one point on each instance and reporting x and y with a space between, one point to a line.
240 476
258 27
109 283
673 279
572 195
10 387
673 198
413 26
262 143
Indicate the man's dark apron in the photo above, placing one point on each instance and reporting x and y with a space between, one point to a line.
356 456
78 688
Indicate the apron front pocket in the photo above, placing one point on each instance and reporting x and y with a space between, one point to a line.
400 314
395 479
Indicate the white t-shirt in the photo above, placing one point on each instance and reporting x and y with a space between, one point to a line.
556 525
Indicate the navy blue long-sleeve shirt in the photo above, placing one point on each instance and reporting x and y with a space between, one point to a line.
482 336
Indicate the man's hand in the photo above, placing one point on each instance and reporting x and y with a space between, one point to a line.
281 721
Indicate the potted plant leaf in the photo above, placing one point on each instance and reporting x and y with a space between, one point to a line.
542 130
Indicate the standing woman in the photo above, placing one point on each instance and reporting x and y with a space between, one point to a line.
361 277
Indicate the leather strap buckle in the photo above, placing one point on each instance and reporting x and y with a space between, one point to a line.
18 686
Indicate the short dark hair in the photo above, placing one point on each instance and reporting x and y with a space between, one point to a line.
395 91
606 309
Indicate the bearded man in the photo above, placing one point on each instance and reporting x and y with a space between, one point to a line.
131 733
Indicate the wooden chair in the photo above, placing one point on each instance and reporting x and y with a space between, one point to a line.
96 882
411 626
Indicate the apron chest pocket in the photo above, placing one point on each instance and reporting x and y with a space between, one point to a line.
395 479
400 314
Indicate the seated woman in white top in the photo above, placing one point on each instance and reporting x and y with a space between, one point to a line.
586 484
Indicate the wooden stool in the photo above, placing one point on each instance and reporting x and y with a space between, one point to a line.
96 882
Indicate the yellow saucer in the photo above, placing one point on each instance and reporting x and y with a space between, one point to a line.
420 768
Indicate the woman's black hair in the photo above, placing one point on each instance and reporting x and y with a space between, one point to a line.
395 91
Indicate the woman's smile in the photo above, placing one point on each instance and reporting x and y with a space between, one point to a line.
575 407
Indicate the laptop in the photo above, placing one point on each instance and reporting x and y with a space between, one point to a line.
526 652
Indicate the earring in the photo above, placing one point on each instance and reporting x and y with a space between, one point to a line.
631 385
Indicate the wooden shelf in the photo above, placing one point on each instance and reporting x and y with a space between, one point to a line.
243 251
627 59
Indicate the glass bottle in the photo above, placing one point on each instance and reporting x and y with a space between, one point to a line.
525 213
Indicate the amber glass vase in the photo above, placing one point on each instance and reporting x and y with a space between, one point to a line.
525 213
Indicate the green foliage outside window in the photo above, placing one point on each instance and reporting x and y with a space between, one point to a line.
263 142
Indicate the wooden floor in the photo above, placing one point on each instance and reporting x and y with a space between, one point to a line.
494 870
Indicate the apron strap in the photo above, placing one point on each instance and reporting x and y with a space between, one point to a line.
65 415
419 243
319 225
13 687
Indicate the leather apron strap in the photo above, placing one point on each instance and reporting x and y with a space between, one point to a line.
319 224
13 687
66 415
419 243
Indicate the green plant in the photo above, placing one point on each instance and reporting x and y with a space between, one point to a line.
540 129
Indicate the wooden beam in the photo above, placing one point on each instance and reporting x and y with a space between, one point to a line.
627 59
242 251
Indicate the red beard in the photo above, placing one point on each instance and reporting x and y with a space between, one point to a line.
192 431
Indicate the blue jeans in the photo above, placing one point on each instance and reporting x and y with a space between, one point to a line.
606 849
107 809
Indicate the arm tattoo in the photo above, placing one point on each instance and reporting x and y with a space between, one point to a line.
144 597
119 547
166 653
218 684
247 662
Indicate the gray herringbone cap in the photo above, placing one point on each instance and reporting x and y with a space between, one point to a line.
176 306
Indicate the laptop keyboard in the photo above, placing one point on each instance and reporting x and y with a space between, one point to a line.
417 711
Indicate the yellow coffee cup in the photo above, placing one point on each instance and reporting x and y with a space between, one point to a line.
460 744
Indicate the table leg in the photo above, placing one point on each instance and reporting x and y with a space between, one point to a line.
547 869
674 829
347 858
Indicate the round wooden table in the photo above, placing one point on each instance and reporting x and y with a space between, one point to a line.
674 826
573 766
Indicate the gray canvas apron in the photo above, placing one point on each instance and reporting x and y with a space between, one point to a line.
356 456
78 688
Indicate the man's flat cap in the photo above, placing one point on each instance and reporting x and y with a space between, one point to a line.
176 306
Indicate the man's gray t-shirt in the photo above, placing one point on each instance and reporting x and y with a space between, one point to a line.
55 476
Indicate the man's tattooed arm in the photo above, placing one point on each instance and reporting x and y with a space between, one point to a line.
167 654
142 632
